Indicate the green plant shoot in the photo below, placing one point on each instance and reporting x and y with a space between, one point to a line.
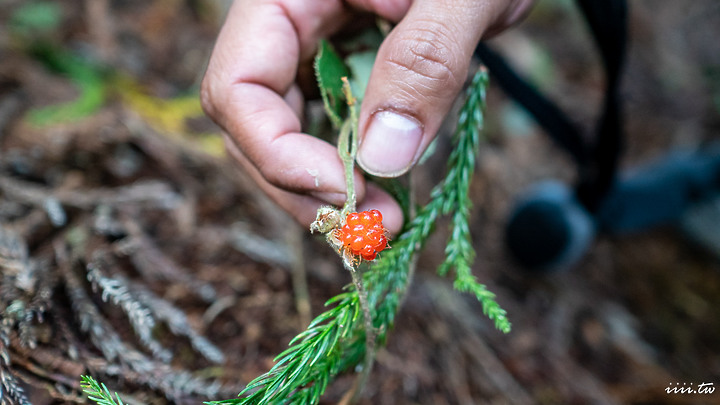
337 340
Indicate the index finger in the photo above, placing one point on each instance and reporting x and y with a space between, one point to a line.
253 66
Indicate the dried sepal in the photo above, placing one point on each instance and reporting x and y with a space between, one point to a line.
327 219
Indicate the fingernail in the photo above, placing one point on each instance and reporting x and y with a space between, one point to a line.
390 144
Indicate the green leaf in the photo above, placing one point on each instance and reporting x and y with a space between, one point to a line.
329 69
360 65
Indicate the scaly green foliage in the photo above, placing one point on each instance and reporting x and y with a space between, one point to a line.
459 253
313 357
335 340
98 392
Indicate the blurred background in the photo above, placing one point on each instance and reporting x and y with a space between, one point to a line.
118 209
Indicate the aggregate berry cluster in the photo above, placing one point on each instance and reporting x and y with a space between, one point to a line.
363 234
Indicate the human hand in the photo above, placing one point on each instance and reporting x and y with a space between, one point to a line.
251 90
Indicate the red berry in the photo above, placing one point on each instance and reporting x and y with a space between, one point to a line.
368 253
353 218
363 234
357 243
366 217
381 244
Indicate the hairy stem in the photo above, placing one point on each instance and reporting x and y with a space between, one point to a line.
369 333
347 155
347 149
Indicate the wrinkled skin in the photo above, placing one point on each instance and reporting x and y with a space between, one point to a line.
251 90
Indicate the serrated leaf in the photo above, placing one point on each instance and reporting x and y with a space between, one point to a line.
329 69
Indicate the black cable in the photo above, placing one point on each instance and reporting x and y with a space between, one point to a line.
597 161
607 20
550 118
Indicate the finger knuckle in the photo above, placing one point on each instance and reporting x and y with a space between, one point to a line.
427 50
208 96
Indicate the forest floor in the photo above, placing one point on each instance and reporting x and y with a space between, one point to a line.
114 190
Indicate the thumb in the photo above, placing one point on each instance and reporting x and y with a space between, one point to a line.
420 68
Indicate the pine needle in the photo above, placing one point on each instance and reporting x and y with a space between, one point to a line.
98 392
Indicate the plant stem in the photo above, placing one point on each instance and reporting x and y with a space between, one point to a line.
369 334
347 149
347 155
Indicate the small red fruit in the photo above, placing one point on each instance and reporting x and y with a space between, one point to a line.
363 234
